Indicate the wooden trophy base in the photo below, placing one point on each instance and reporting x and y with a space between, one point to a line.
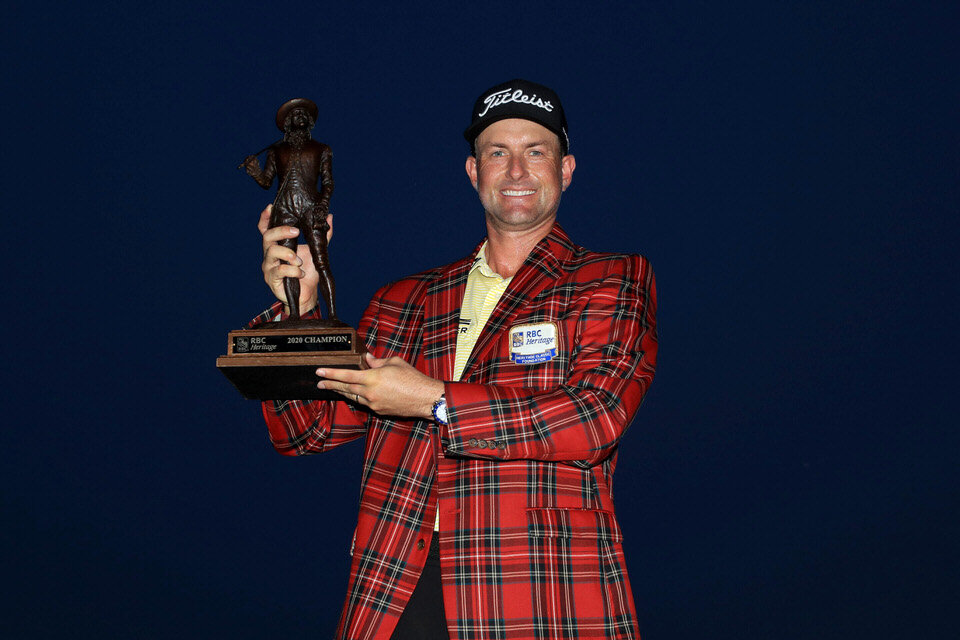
278 361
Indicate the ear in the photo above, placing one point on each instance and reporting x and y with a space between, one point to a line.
567 165
472 170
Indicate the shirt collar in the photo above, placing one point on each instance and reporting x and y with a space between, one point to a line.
480 262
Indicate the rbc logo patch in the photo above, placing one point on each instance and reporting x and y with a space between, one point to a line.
534 343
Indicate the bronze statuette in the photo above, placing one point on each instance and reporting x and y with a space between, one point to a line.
277 360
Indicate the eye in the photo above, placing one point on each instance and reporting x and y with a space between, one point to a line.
497 153
536 152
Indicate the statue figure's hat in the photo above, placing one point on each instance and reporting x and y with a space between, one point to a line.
290 105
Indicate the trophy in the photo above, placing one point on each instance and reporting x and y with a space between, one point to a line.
278 360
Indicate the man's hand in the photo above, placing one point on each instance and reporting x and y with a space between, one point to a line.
391 387
280 262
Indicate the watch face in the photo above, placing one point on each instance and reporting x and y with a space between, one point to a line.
440 411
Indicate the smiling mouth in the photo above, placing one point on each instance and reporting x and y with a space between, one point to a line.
514 192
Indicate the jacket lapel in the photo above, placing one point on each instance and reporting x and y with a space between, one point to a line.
441 317
541 268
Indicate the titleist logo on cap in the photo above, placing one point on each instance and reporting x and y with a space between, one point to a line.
505 96
521 99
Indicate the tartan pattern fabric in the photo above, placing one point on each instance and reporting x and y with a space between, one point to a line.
522 475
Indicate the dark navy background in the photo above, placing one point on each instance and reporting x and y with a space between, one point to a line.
789 168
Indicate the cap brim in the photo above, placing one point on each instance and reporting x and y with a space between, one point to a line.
474 130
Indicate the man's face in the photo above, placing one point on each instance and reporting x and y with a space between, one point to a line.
519 174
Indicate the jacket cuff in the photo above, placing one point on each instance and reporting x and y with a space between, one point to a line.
461 439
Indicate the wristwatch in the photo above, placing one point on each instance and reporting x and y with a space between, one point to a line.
440 410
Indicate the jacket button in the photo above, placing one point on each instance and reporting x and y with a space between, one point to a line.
482 444
501 445
420 544
491 444
473 442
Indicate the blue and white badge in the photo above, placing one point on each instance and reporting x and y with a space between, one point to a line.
533 343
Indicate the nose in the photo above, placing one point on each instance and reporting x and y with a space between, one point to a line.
517 167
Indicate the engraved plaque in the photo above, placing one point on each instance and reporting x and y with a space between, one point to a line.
287 343
272 362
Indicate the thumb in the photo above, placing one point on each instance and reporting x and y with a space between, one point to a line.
374 362
264 222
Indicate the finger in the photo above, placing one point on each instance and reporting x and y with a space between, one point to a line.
282 270
287 271
264 221
330 227
279 253
346 376
350 391
354 397
276 234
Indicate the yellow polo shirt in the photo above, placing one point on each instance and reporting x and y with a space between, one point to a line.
484 288
480 298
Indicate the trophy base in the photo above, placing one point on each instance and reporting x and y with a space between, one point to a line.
280 362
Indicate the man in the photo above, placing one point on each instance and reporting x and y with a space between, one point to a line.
498 389
300 161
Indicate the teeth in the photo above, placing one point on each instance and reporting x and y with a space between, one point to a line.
526 192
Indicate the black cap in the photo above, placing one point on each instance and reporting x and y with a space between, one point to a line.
519 99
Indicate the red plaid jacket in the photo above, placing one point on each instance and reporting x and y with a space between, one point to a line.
522 476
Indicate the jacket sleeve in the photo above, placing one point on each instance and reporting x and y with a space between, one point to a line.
613 356
302 427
